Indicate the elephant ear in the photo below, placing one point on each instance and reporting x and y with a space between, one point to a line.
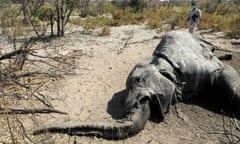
159 107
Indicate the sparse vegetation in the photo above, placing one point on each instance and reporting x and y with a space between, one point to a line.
220 16
217 15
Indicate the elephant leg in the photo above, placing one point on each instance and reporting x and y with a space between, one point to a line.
227 84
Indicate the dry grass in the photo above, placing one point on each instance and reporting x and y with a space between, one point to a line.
224 17
105 31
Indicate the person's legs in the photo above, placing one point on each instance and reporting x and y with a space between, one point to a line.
191 27
190 30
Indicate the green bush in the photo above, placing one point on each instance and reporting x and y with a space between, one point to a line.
138 5
45 13
126 16
88 12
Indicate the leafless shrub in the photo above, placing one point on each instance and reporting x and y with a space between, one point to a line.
23 72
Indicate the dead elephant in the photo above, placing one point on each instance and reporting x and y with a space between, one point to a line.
182 66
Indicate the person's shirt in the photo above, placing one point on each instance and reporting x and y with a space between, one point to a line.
195 15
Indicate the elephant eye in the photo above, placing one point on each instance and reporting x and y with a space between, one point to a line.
144 100
137 79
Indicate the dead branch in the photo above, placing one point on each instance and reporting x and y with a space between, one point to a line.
28 74
201 32
235 42
43 100
126 42
237 58
14 80
44 62
225 131
22 51
23 131
13 53
227 50
8 110
35 90
10 130
52 58
220 48
146 40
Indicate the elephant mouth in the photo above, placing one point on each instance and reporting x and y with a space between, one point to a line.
157 113
131 107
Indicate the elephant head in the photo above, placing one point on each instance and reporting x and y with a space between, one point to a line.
149 93
148 83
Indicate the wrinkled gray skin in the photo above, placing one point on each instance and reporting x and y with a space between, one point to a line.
181 67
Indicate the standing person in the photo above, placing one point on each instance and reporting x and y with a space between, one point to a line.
193 18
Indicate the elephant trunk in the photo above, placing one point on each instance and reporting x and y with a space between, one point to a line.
117 129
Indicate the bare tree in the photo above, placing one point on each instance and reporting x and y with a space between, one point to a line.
60 11
29 9
64 8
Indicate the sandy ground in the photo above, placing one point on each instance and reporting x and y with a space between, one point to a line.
102 71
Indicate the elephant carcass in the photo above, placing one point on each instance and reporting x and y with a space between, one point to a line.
182 65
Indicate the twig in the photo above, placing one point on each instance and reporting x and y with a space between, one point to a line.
237 57
14 80
10 130
126 42
44 62
219 48
24 133
35 90
7 110
227 50
225 131
52 58
46 103
28 74
237 126
145 40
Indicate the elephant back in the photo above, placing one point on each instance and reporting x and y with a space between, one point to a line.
191 55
